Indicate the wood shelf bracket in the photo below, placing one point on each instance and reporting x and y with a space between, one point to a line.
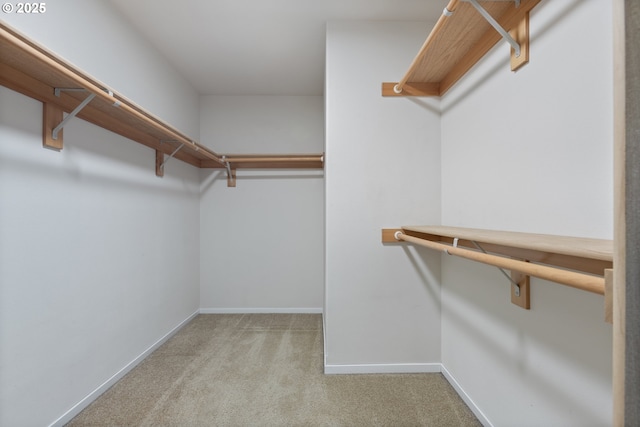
519 282
52 115
521 34
231 179
161 161
520 291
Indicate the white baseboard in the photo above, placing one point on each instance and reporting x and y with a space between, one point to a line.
68 416
262 310
410 368
324 341
396 368
465 397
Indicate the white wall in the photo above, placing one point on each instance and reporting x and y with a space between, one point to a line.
69 320
98 256
262 246
532 151
382 307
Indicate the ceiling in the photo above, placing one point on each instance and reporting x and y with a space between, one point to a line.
257 47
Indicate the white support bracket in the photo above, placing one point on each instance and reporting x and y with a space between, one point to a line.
71 115
161 161
231 173
519 282
501 269
504 33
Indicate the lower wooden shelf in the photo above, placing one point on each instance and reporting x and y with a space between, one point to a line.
572 261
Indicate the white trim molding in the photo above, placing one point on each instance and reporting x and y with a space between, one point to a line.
465 397
262 310
395 368
80 406
410 368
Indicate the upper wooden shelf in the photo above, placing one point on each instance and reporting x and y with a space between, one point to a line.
32 70
458 41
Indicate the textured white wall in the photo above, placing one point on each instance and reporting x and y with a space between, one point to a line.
262 245
98 260
532 151
98 256
382 309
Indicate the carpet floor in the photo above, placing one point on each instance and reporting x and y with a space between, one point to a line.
266 370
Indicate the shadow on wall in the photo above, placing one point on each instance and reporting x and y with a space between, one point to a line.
423 257
421 102
71 170
556 331
518 322
504 63
91 155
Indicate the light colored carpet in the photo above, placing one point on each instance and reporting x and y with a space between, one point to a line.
266 370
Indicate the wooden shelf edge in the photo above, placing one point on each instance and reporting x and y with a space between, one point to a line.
595 249
412 89
388 235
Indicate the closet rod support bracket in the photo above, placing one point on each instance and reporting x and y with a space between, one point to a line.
231 173
519 284
518 37
520 293
161 161
491 20
71 115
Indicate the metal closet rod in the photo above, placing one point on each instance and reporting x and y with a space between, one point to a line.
585 282
273 158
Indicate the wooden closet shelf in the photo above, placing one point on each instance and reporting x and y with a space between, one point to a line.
458 41
30 69
594 249
573 261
